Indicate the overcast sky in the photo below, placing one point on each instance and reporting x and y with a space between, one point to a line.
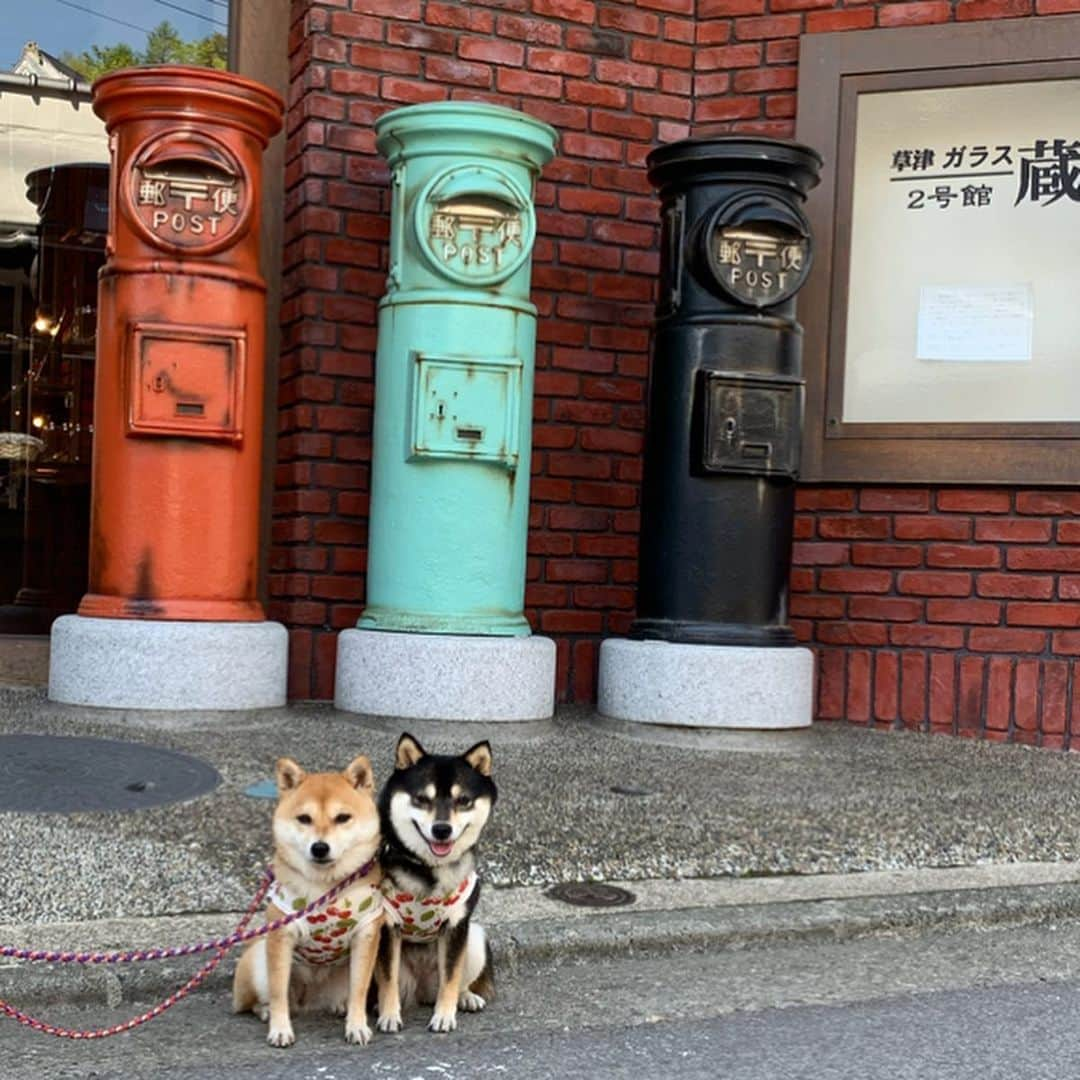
65 27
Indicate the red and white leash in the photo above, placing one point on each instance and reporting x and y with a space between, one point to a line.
220 945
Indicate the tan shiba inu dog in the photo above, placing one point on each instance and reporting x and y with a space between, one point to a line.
326 827
434 807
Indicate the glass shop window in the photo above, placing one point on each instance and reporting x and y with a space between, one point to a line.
53 222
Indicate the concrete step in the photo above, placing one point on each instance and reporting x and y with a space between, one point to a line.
527 926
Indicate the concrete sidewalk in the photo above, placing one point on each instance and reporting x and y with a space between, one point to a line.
726 840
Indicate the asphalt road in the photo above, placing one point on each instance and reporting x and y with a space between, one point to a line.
978 1003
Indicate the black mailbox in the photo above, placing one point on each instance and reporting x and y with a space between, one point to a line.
726 391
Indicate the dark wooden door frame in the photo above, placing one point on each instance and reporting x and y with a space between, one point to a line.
833 69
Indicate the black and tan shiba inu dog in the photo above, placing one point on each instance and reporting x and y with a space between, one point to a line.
433 809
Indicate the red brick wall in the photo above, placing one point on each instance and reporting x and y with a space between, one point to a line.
615 78
946 609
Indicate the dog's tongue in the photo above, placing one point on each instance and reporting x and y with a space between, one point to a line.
441 848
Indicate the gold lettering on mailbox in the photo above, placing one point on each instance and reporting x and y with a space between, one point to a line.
475 231
216 194
188 191
758 264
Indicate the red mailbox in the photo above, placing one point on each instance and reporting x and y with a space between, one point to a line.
179 385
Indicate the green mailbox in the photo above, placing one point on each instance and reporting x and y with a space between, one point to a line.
454 374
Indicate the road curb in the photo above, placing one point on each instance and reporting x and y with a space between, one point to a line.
739 927
518 942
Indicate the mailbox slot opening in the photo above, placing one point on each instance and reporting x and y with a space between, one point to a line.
187 190
478 211
474 224
756 248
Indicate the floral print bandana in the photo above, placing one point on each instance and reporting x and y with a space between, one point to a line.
422 917
324 936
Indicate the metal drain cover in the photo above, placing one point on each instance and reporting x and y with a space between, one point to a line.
590 894
60 774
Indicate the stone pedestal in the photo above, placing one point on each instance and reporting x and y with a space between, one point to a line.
173 665
445 676
708 686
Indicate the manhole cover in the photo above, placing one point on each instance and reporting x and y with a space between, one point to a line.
58 774
590 894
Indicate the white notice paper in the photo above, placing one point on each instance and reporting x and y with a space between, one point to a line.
975 323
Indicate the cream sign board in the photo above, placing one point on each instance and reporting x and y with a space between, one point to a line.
965 237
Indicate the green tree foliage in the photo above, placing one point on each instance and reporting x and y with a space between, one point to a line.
164 45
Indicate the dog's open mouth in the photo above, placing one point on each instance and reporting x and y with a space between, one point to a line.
439 848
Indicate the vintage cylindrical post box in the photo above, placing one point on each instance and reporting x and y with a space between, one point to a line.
726 393
176 480
454 372
178 404
454 376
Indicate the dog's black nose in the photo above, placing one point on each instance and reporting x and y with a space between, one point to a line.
441 830
319 850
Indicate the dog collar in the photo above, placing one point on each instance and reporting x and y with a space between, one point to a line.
420 918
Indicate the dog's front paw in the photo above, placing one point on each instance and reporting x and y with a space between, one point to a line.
339 1008
262 1012
281 1036
470 1002
357 1032
443 1022
389 1022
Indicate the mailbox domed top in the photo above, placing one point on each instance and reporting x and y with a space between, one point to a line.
753 158
466 128
194 95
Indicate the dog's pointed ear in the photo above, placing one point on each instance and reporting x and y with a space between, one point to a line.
479 757
358 773
289 774
409 752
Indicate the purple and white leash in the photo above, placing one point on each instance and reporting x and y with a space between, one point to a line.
220 945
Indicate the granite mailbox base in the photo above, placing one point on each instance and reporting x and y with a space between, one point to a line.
445 676
712 686
168 664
